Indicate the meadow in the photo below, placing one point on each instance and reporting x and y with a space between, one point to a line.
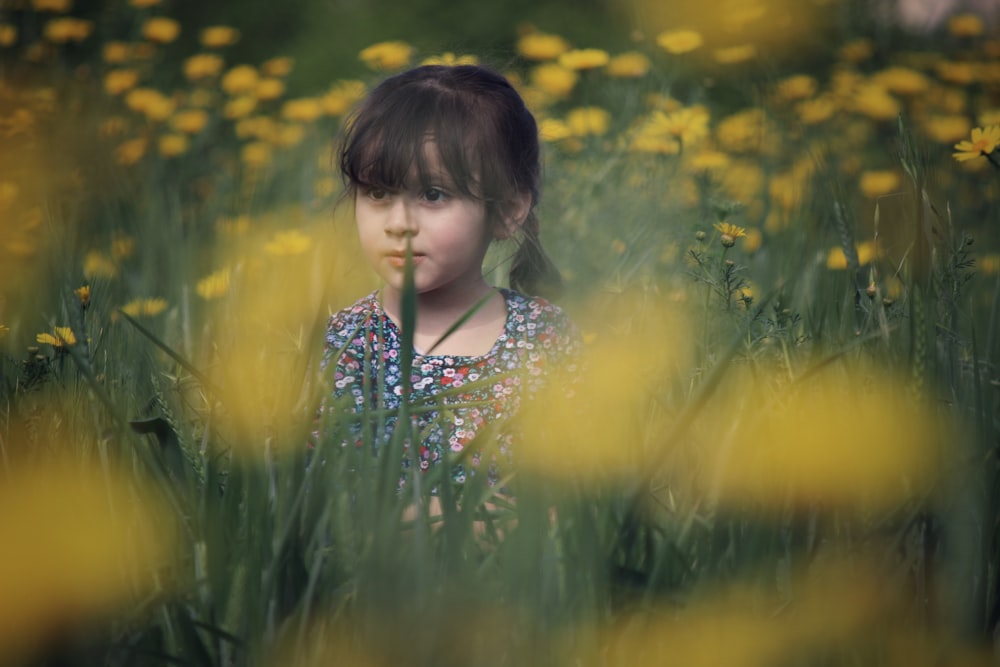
784 263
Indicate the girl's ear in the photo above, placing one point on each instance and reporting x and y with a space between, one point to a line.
513 213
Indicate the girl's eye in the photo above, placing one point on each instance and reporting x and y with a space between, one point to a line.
377 194
434 195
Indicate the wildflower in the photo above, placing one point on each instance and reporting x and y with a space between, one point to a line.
584 121
67 29
4 330
172 145
857 51
689 124
679 41
63 336
117 81
553 129
837 260
341 97
450 59
554 79
269 89
877 183
116 53
292 242
83 294
98 265
965 25
815 111
959 73
874 101
303 109
256 154
278 66
732 55
240 79
902 80
202 66
56 6
729 233
189 121
984 141
217 36
742 131
796 87
131 151
709 161
989 117
239 107
161 29
8 34
152 103
628 65
752 241
541 46
145 307
946 128
289 135
390 55
214 285
259 127
580 59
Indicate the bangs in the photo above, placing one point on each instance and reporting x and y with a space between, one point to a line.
388 142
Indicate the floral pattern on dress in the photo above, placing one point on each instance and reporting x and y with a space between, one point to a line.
470 394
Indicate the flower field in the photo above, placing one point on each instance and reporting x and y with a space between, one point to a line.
777 228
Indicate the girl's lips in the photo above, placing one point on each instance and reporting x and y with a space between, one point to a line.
399 261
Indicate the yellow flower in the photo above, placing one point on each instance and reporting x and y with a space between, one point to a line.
689 124
152 103
965 25
679 41
260 127
752 241
256 154
122 247
874 101
946 129
857 51
214 285
4 330
289 135
202 66
239 107
814 111
745 130
233 226
98 265
8 34
144 4
959 73
580 59
303 109
145 307
554 79
553 129
269 89
217 36
240 79
63 336
709 161
837 260
796 87
387 55
729 229
172 145
67 29
117 81
984 141
161 29
341 97
989 117
189 121
292 242
584 121
83 294
116 53
902 80
57 6
732 55
541 46
450 59
877 183
628 65
131 151
279 66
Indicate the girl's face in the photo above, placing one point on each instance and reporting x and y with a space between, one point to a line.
449 233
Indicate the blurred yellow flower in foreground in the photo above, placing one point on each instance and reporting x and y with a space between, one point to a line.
867 251
796 87
269 89
116 53
554 79
584 121
874 101
581 59
189 121
202 65
292 242
145 307
630 64
68 29
902 80
8 34
390 55
131 151
152 103
161 29
240 79
342 96
450 59
542 46
946 128
217 36
879 182
679 41
57 6
214 285
117 81
841 436
60 337
97 265
966 25
278 66
732 55
172 145
303 109
239 107
77 544
984 141
553 129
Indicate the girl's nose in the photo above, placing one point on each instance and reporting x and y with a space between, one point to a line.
400 219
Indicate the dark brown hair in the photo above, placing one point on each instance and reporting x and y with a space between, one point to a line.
486 138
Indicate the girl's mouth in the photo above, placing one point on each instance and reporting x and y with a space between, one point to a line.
399 261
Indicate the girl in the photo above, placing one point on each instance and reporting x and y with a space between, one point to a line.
439 162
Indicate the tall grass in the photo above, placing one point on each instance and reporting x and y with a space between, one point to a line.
783 449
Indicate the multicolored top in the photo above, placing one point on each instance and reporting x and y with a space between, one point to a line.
455 398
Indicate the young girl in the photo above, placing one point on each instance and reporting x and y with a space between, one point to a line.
440 162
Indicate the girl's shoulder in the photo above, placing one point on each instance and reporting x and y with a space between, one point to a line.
344 323
539 319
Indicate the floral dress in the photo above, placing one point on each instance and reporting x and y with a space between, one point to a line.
458 397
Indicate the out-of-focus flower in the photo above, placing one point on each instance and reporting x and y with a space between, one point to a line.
342 96
966 25
161 29
732 55
83 294
256 154
289 135
709 160
450 59
122 247
278 66
817 110
117 81
116 53
152 103
628 65
902 80
240 79
145 307
61 336
679 41
983 142
554 79
959 73
303 109
796 87
946 129
8 35
553 129
269 89
837 260
144 4
264 128
189 121
689 124
202 66
581 59
217 36
172 145
131 151
744 131
874 101
542 46
383 56
292 242
239 107
97 265
67 29
752 240
55 6
233 227
585 121
4 330
857 51
879 182
214 285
